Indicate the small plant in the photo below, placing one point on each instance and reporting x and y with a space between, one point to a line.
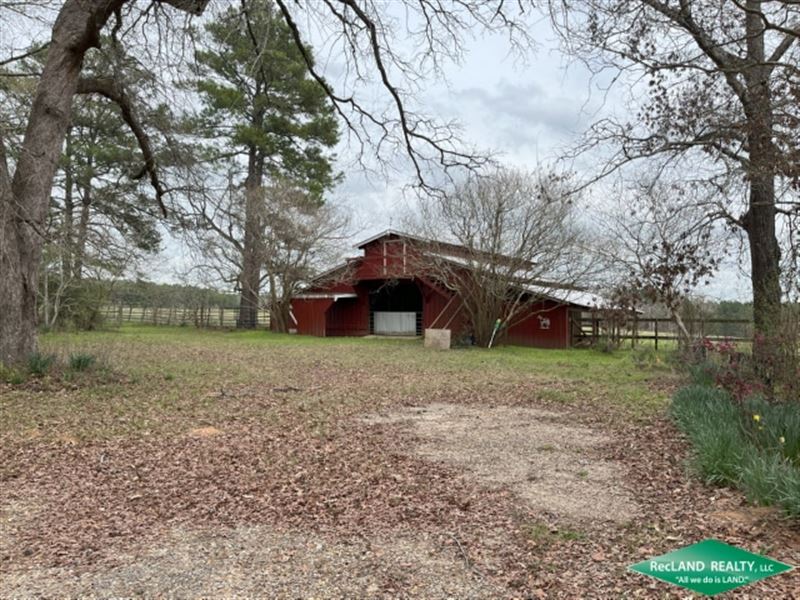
761 478
81 362
40 364
645 357
546 535
11 375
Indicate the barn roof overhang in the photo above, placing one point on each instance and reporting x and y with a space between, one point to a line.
324 296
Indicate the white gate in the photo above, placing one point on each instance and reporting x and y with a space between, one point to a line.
395 323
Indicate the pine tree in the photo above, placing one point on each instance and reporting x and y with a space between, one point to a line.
263 109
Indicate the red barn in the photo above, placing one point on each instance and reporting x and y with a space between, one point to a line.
385 292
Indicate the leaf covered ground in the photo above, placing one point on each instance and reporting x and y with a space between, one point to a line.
209 463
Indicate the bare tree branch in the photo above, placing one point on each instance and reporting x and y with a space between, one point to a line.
109 89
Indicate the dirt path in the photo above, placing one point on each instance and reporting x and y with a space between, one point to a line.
550 463
258 562
443 500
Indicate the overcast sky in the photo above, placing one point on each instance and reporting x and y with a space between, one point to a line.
529 111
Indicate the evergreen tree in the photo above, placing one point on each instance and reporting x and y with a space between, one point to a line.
263 109
101 216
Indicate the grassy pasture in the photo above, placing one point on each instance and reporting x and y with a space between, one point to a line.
181 448
150 378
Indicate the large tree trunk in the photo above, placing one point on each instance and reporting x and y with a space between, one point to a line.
250 281
764 257
759 221
24 203
17 289
250 277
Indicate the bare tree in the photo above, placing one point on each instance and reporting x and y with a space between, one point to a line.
299 237
303 239
663 246
714 89
364 33
511 239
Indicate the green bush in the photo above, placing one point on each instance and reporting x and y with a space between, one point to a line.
86 305
81 362
754 446
39 364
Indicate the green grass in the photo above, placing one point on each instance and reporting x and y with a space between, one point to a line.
81 361
754 446
163 379
545 535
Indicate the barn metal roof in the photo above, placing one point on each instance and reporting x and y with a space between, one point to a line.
325 296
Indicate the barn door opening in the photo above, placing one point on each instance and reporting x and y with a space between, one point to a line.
395 308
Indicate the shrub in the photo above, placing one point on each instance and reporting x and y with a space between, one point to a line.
722 364
39 364
81 362
86 305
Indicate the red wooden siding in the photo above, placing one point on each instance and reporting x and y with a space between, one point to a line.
349 316
532 331
390 258
310 315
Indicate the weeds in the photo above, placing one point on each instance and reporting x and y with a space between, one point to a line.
40 364
81 361
11 375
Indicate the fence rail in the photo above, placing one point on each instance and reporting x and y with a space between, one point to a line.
586 330
197 316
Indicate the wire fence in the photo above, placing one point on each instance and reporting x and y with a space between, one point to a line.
195 316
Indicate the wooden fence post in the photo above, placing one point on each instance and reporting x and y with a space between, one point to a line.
655 321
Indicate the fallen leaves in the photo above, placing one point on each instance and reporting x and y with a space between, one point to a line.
288 451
